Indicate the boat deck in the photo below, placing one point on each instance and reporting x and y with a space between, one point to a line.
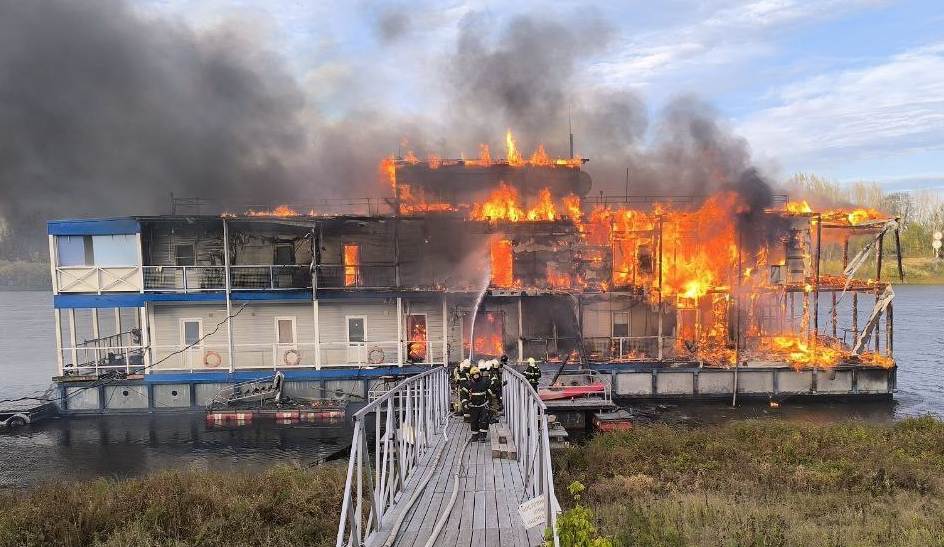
486 508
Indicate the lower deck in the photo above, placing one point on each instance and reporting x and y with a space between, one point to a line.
487 494
159 392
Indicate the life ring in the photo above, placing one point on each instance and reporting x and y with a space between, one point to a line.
292 357
212 359
375 356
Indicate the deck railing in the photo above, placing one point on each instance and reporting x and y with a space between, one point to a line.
98 279
526 415
406 420
189 279
361 276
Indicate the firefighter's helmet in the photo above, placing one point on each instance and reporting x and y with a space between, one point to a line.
474 371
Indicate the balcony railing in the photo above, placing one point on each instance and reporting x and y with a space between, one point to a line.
98 279
370 276
189 279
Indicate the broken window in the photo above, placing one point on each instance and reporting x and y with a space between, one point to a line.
416 348
284 254
352 261
620 324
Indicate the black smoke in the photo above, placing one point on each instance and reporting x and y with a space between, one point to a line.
105 113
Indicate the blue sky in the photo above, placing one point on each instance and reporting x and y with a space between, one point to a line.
850 89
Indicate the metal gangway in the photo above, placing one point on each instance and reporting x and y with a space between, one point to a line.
420 481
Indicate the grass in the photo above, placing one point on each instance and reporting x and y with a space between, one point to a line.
282 506
764 483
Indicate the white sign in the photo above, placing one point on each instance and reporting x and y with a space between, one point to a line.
533 512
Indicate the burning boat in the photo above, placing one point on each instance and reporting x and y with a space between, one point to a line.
670 296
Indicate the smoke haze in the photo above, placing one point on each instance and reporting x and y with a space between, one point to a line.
104 112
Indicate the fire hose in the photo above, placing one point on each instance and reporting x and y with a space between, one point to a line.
452 500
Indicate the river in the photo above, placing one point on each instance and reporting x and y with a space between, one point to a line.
130 445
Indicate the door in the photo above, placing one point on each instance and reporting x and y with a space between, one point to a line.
191 338
356 339
417 348
286 347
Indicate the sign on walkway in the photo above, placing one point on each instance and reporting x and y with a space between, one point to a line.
533 512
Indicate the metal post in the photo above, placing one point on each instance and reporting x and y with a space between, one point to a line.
660 288
889 330
96 334
520 329
229 300
315 311
57 315
399 331
445 331
819 249
878 278
72 339
145 322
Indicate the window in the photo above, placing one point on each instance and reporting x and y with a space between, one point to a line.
355 330
620 324
107 250
75 251
285 330
352 260
191 330
284 254
183 255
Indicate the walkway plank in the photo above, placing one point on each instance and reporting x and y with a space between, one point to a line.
486 507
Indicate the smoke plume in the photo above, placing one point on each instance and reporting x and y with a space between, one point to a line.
104 113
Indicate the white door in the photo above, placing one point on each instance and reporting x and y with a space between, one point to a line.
191 334
356 339
286 347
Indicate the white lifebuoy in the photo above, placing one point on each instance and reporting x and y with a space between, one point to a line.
292 357
212 359
375 356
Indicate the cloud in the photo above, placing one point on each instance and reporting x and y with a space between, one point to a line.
889 108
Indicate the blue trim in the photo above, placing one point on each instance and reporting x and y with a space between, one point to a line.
290 375
110 300
368 294
135 300
94 227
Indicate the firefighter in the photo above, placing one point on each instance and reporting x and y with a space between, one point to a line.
496 383
461 377
533 373
478 404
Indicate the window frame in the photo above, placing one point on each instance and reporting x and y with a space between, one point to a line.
294 321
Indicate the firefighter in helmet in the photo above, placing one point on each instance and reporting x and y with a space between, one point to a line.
533 373
496 383
460 377
478 404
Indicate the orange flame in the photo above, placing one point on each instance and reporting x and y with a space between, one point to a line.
514 156
502 261
352 260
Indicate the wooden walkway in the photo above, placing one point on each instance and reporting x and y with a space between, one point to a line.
486 507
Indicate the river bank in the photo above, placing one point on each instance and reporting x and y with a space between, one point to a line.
282 506
752 482
763 483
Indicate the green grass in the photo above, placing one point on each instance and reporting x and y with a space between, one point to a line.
282 506
764 483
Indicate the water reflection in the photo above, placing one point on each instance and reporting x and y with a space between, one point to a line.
121 446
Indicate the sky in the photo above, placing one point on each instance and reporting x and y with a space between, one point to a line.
847 89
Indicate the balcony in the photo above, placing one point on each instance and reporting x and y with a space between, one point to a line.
98 279
195 279
362 276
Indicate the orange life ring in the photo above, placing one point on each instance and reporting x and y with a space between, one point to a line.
212 359
375 356
292 357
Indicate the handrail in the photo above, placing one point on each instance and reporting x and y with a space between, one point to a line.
526 415
414 412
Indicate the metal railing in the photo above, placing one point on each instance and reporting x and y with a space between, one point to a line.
370 276
99 359
188 279
407 419
627 348
526 415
